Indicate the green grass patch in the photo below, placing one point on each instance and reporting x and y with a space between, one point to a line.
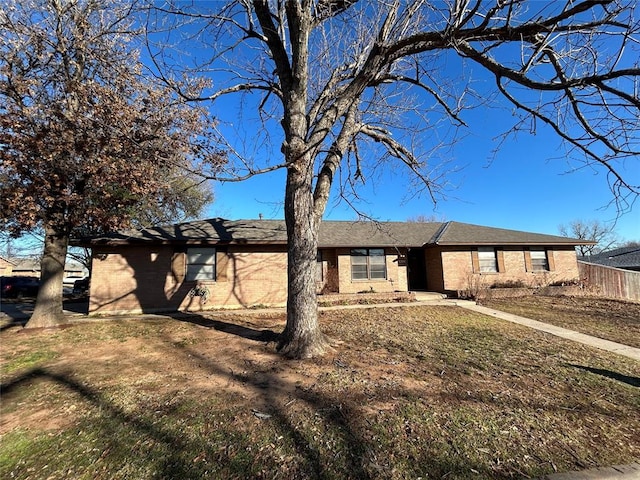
431 392
613 320
27 360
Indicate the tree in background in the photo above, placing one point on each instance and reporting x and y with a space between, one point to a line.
87 143
631 244
601 233
426 218
348 86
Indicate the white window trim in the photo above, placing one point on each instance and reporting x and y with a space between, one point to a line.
319 267
487 260
201 264
539 260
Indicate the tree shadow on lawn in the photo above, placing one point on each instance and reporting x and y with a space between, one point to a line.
340 447
629 380
174 466
226 327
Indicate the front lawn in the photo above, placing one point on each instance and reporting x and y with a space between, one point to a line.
613 320
409 392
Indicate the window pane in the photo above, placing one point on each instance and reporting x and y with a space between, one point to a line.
359 272
538 255
486 252
488 266
319 269
378 272
368 264
487 259
539 265
377 260
539 260
201 255
200 272
201 264
358 260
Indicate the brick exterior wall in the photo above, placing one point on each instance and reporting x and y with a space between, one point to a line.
452 269
433 265
151 279
6 268
128 279
329 282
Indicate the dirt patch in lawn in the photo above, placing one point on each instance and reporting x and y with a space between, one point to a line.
407 392
613 320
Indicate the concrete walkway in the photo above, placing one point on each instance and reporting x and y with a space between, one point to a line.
619 472
22 312
600 343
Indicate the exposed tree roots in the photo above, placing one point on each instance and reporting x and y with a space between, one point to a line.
304 346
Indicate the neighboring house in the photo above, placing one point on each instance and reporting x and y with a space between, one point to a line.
27 267
243 263
6 267
627 258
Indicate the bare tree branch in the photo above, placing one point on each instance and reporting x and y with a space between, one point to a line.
347 86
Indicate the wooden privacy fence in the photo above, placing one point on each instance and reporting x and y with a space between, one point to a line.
611 282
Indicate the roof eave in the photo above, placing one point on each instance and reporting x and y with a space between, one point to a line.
514 244
150 242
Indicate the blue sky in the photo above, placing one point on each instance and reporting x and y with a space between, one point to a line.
527 185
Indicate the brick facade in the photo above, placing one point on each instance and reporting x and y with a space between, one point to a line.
453 269
135 279
6 267
251 264
151 279
396 273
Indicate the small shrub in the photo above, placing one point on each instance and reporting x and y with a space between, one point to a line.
568 283
476 287
509 284
371 290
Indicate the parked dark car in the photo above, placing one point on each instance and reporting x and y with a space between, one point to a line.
81 287
18 287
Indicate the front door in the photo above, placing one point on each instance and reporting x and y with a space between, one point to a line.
417 274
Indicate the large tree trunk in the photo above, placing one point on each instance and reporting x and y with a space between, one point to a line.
301 337
48 310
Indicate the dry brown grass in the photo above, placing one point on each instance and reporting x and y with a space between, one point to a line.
432 392
613 320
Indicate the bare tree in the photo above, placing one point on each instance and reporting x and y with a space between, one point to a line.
86 142
602 234
352 85
422 218
631 244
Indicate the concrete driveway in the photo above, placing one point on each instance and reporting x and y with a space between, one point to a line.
20 311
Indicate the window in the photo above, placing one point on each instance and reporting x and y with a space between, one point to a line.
487 260
368 264
319 269
201 264
539 260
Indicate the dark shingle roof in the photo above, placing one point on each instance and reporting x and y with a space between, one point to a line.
376 234
332 234
10 262
213 230
456 233
625 257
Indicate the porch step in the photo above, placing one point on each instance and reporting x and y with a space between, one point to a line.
429 296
